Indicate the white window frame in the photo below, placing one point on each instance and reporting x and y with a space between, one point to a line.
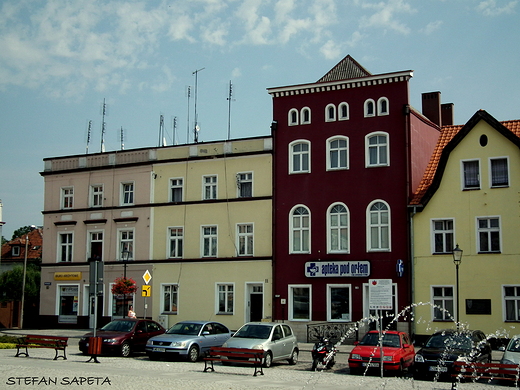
15 250
378 146
338 228
244 177
290 289
125 242
289 117
90 234
342 117
339 150
177 239
489 230
302 116
174 286
366 106
329 303
463 176
212 240
301 229
68 245
174 187
71 318
379 226
96 195
446 314
444 233
329 118
246 238
226 293
491 175
127 194
301 157
514 298
380 111
211 186
67 198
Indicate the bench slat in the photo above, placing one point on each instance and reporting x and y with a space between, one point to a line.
235 355
57 343
487 371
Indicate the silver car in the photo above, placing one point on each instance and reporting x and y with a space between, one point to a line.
277 340
188 339
512 354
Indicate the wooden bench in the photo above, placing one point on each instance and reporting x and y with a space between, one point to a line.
39 341
488 371
235 355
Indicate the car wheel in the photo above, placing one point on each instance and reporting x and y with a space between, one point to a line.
193 354
294 357
126 349
268 360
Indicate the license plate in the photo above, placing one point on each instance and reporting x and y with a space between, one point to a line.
155 349
439 368
370 364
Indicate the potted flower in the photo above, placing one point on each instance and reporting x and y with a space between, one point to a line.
124 286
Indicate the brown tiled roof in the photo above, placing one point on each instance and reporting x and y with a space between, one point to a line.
450 136
34 246
347 68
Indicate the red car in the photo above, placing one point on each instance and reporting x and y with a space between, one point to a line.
398 352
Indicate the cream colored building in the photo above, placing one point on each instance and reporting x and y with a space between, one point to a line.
469 197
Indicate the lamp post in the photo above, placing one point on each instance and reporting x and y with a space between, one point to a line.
125 255
457 259
25 272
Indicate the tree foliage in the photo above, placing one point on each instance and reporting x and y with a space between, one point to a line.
11 283
21 231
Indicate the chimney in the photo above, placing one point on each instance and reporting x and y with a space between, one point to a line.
431 106
447 114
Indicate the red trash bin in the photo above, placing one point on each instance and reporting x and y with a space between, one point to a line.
94 346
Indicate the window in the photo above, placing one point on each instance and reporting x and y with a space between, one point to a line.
299 157
67 197
65 247
300 230
442 297
337 157
225 299
209 241
512 302
338 302
15 250
306 115
245 185
245 239
127 193
343 111
293 117
209 187
377 150
488 231
68 304
499 172
370 108
96 195
442 236
378 221
471 174
176 236
330 113
169 298
96 245
299 303
338 220
382 106
126 245
176 190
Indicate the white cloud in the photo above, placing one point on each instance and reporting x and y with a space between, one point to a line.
236 72
330 50
257 28
490 8
432 27
385 15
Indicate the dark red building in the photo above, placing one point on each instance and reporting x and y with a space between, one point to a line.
348 153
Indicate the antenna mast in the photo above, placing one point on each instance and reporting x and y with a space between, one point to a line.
188 127
162 139
196 128
174 129
122 139
229 109
103 126
88 134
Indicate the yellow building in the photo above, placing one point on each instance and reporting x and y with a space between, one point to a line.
469 197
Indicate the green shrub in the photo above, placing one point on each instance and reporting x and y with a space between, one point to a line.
7 345
8 339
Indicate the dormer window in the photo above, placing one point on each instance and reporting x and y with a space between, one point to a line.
15 250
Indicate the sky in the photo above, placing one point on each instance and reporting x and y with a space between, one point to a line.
61 59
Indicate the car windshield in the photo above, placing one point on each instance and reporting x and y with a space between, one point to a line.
119 326
254 332
450 340
514 345
185 328
389 340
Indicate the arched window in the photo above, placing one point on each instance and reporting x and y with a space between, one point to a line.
377 149
382 106
337 153
370 108
378 226
299 156
300 230
293 117
306 115
343 111
338 228
330 113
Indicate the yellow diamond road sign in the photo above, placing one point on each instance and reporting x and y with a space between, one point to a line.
147 277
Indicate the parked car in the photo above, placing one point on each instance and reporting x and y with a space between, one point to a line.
512 354
446 346
277 340
123 336
398 352
188 339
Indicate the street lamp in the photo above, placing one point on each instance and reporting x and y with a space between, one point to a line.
125 255
457 259
25 272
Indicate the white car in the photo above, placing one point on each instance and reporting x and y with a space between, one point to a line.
277 340
512 354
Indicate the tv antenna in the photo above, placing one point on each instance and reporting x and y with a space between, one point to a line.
89 129
174 130
229 99
196 128
122 139
103 126
188 92
162 138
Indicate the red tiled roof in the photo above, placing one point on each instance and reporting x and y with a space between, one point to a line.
34 246
442 151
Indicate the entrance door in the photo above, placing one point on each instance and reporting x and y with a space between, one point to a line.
256 303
